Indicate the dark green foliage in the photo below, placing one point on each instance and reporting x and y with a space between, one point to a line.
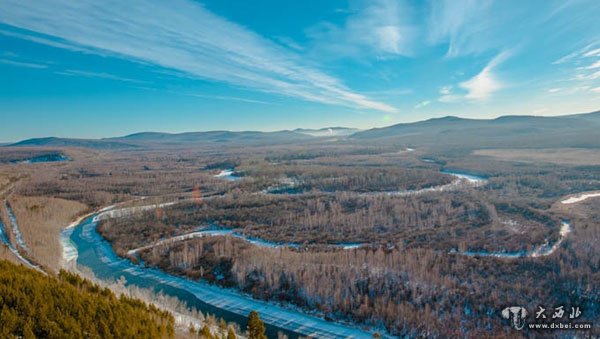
205 332
231 333
36 306
256 328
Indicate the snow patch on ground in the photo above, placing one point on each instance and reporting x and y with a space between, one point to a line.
580 198
69 251
127 211
15 228
227 174
461 181
5 241
284 183
471 178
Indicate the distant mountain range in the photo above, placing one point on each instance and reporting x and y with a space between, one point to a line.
576 130
69 142
511 131
211 136
157 139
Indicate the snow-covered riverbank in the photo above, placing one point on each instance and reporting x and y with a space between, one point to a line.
542 250
215 232
127 211
98 256
15 228
462 180
579 198
7 243
473 179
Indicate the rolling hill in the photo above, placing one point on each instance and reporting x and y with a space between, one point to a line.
577 130
211 137
510 131
68 142
157 139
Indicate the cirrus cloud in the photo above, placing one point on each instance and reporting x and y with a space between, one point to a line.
180 35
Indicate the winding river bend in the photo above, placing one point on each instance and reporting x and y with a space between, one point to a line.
83 245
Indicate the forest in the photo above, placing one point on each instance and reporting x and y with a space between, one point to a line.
406 268
33 305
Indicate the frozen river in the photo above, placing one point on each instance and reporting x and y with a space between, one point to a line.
84 246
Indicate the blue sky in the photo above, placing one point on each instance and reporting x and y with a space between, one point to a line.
106 68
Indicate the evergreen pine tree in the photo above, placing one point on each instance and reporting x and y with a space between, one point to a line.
256 328
205 332
231 333
192 330
222 324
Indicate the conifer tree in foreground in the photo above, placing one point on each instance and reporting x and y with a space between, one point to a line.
256 328
205 332
231 333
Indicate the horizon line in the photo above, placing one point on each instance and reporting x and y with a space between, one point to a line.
8 143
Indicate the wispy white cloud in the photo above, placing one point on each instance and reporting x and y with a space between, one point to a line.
228 98
588 50
288 42
569 90
480 87
483 85
447 95
22 64
584 63
593 53
101 75
374 29
422 104
597 89
472 27
446 90
464 25
180 35
594 65
588 76
50 41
